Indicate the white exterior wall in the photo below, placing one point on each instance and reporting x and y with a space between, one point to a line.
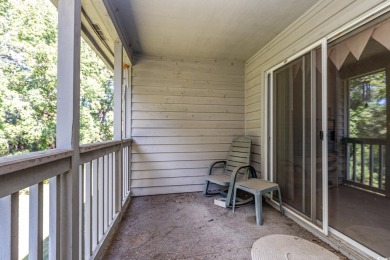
318 22
185 114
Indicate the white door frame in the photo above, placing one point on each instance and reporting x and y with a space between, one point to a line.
270 133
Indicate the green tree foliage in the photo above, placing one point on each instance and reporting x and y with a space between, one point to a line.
367 114
96 98
28 69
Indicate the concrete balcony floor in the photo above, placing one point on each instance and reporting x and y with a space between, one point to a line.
190 226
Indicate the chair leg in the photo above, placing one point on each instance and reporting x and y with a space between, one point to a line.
206 187
258 209
280 202
229 195
234 198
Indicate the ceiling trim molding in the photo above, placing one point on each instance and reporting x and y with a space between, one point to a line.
112 12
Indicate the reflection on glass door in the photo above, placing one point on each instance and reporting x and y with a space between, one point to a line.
358 92
297 120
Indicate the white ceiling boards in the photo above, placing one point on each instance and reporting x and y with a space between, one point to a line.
230 29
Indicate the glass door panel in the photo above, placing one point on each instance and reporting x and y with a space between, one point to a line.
297 147
358 91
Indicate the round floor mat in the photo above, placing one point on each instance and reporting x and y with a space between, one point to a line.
285 247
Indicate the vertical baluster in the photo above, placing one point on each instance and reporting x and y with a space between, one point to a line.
94 229
123 170
118 181
9 226
87 211
106 197
54 216
81 211
100 198
348 171
380 175
371 165
110 192
354 162
362 178
123 173
127 170
36 222
129 167
119 169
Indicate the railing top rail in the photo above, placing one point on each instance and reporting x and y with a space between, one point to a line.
90 152
14 163
85 148
126 142
381 141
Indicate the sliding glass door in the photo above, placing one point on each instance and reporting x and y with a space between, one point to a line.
358 94
297 136
329 135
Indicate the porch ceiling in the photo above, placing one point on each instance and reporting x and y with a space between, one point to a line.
228 29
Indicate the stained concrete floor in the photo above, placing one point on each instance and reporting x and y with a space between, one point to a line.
190 226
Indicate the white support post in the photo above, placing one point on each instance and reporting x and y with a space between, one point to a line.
128 117
68 124
128 122
118 74
9 226
36 222
118 126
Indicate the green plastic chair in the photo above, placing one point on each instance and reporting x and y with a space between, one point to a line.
236 168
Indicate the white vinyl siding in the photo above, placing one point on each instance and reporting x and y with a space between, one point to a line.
185 114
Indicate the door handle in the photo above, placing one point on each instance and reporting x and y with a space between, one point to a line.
321 135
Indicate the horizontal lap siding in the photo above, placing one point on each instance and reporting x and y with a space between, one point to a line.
185 114
319 21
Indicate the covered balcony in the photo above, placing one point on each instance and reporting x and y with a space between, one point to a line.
305 80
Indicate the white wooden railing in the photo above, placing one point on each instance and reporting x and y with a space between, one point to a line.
356 172
104 188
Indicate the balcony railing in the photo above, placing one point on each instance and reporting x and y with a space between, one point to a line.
104 188
365 163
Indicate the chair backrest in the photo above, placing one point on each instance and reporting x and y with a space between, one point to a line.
239 154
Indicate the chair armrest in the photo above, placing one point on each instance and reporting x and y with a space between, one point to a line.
213 164
234 173
233 181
